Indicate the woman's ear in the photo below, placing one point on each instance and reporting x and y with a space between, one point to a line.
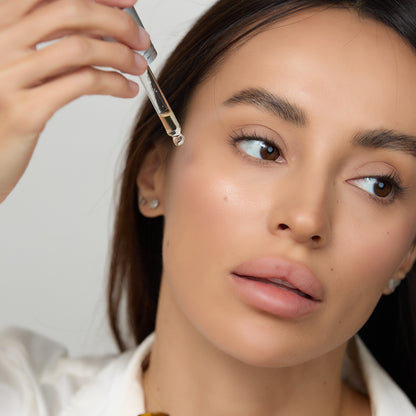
402 270
150 182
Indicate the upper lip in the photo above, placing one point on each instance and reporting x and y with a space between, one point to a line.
293 276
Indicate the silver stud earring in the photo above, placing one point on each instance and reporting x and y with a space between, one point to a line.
142 200
393 284
154 203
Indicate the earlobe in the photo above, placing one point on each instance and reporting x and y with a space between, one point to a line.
402 271
407 262
150 183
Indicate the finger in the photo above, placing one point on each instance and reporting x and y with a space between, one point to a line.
68 54
45 100
12 10
63 16
122 4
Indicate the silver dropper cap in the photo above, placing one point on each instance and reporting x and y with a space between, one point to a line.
150 54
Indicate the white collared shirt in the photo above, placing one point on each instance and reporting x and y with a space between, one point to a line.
37 378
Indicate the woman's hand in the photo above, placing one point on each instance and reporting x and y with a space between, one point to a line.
34 84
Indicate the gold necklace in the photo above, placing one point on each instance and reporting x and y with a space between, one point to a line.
153 414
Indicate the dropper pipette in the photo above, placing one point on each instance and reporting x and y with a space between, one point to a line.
155 94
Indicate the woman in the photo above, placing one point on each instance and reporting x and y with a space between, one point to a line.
259 249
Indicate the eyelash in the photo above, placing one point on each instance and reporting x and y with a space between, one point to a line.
397 188
393 179
236 138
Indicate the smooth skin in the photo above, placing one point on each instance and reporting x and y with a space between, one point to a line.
35 83
316 204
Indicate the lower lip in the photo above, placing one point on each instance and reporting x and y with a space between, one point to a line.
272 299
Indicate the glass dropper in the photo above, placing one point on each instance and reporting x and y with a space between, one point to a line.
155 94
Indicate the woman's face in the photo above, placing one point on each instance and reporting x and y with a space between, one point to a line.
299 166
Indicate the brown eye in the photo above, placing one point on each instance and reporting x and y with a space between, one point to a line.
382 188
269 152
260 149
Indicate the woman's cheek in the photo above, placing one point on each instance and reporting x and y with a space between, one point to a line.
378 252
206 190
361 272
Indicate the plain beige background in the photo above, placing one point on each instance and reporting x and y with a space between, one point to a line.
55 227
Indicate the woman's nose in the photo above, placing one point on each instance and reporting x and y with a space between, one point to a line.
303 213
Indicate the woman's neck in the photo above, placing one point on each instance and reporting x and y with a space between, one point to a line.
188 375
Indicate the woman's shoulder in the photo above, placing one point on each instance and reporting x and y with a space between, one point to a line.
386 397
38 378
36 374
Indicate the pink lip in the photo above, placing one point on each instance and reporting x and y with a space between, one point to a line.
280 287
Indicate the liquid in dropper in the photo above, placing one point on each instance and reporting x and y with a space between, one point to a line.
155 94
172 127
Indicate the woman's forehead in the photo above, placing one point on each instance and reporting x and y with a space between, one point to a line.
327 58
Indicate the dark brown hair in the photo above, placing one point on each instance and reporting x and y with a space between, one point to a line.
136 264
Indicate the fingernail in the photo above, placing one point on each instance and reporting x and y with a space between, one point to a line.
133 86
144 38
141 62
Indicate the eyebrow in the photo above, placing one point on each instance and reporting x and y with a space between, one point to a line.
274 104
386 139
280 106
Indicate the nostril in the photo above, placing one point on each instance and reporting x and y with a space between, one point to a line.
315 238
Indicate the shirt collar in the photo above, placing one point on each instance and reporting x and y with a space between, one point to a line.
385 395
117 389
